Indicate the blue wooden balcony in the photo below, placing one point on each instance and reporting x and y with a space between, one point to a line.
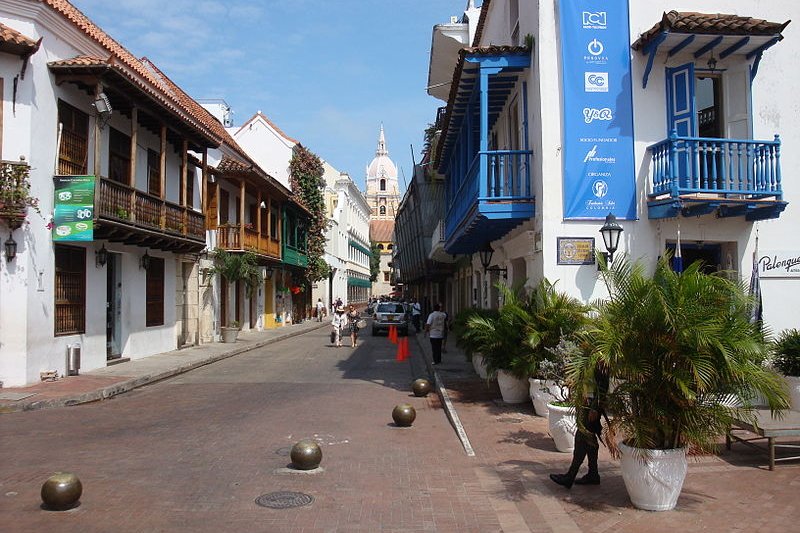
489 200
692 176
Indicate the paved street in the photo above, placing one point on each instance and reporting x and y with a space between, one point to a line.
193 452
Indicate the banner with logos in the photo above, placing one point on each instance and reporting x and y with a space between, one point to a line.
779 264
73 216
599 169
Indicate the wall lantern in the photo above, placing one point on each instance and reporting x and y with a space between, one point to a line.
101 257
11 248
144 262
485 255
268 273
611 232
102 105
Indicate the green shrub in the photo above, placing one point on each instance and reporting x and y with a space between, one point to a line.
787 353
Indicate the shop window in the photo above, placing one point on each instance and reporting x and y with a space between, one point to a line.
70 290
154 309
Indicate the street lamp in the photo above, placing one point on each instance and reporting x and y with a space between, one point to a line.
101 257
485 255
268 273
144 262
11 248
611 232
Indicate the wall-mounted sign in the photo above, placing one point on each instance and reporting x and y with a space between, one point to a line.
73 216
598 110
575 250
779 264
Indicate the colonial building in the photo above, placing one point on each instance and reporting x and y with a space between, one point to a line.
676 123
383 197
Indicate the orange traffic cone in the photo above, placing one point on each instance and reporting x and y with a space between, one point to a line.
405 348
402 349
393 334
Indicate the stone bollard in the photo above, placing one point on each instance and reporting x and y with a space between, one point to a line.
404 415
421 387
306 455
61 491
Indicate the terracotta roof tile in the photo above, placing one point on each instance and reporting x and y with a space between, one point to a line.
381 230
119 53
709 24
14 42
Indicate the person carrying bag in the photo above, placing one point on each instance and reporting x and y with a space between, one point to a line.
339 322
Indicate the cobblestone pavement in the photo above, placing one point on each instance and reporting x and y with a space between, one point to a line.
193 452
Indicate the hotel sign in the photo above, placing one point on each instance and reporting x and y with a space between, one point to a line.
575 250
779 264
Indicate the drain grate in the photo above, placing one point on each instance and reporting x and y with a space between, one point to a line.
286 451
284 500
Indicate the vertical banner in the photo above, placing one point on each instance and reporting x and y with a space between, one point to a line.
599 175
73 216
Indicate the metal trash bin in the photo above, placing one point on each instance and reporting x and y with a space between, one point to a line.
73 359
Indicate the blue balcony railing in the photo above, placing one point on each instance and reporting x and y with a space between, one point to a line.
495 182
686 165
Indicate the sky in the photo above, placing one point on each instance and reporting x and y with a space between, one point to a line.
328 73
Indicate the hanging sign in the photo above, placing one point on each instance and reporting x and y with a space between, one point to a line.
73 216
598 110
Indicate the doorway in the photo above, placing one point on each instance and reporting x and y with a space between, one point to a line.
709 254
113 307
185 330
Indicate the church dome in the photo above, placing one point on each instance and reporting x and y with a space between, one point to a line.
382 166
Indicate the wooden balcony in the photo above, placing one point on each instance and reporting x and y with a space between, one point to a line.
692 176
235 238
125 214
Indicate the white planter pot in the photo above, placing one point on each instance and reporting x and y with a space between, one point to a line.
562 425
794 391
654 478
513 389
229 334
479 364
541 397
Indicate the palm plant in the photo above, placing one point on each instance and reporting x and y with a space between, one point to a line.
238 267
674 345
787 353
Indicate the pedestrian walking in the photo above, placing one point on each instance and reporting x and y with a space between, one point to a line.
320 309
434 327
353 317
447 326
339 322
587 436
416 312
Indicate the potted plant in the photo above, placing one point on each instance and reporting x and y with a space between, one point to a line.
555 316
15 193
237 267
561 413
500 338
466 343
230 332
786 360
673 345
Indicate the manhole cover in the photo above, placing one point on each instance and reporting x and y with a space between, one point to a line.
284 500
286 451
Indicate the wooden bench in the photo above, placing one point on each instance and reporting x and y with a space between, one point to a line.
771 429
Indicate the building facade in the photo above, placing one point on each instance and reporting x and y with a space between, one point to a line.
557 116
383 197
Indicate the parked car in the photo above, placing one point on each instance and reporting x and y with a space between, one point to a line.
391 314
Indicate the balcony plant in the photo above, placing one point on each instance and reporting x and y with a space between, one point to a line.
15 193
674 346
786 360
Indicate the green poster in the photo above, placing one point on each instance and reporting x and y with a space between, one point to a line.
73 216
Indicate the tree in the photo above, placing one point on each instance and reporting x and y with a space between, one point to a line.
307 183
374 262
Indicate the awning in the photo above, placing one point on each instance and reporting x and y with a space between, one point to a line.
359 282
708 34
358 246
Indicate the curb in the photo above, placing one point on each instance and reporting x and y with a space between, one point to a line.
128 385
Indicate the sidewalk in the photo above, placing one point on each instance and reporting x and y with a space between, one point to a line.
116 379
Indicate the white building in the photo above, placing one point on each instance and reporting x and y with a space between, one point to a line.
270 147
571 108
383 197
118 272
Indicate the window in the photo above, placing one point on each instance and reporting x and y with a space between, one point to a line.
513 21
386 276
154 309
119 157
383 210
153 173
273 221
380 247
190 178
224 206
73 151
383 185
70 293
389 247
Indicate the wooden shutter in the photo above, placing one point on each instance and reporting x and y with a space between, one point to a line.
70 290
155 293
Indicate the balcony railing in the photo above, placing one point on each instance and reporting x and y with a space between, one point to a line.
229 237
122 203
499 176
726 167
